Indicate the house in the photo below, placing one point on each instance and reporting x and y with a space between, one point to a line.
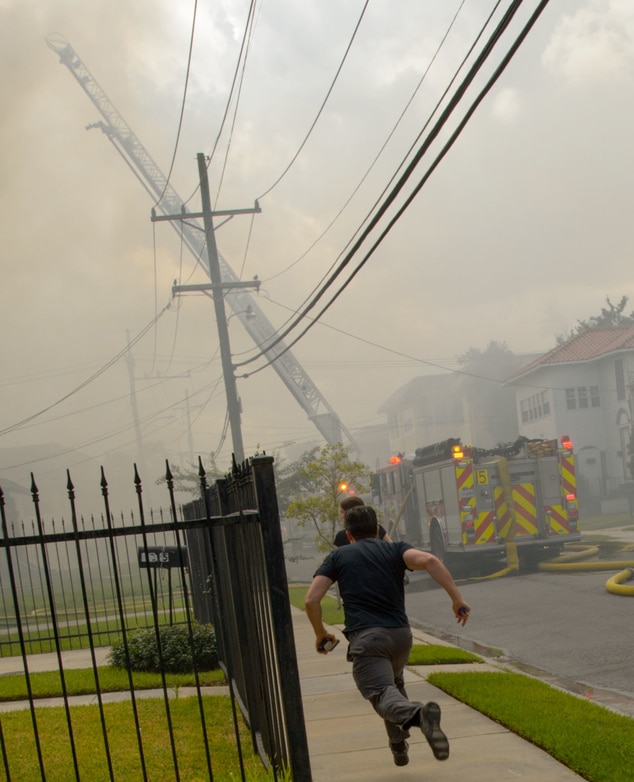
583 388
425 410
478 409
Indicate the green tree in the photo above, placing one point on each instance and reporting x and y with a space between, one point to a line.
291 478
320 478
611 316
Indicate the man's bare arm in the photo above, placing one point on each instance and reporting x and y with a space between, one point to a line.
312 603
422 560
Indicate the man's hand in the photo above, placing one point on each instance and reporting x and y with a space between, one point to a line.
462 611
320 639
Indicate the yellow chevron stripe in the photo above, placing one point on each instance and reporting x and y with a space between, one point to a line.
526 511
504 517
485 529
558 518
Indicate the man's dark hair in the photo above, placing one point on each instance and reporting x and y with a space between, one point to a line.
354 501
361 522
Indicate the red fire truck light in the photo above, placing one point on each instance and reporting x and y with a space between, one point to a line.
394 460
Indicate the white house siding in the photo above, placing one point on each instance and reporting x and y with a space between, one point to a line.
599 433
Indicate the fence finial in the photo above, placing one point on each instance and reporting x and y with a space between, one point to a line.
104 482
137 480
34 490
69 486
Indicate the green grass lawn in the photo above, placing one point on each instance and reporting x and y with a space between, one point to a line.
124 747
111 679
104 631
594 742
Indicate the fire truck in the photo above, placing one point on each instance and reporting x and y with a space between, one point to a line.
460 501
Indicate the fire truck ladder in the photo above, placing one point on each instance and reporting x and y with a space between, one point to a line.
241 303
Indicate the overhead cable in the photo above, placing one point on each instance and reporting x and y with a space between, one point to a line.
245 38
384 145
322 107
376 204
180 121
408 173
90 379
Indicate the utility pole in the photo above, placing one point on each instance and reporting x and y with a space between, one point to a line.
231 390
129 360
217 288
190 438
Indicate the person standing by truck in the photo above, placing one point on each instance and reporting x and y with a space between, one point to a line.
353 501
370 577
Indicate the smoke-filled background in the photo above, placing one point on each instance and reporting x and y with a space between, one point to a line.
522 229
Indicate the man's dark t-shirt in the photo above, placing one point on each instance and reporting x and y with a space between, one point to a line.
370 575
341 539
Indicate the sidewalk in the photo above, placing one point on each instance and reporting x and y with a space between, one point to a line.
347 740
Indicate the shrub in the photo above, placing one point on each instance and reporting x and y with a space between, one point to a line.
176 650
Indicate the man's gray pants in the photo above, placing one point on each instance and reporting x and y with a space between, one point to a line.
379 656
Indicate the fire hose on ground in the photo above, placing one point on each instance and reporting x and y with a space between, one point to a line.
574 561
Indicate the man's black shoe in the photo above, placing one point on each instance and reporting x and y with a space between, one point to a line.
399 753
430 725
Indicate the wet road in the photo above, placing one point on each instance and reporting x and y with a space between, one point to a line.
567 626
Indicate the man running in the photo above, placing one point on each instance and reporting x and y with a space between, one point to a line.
370 577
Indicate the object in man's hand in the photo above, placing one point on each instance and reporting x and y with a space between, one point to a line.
327 645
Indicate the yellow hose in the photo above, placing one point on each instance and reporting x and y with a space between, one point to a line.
513 565
580 566
614 584
568 563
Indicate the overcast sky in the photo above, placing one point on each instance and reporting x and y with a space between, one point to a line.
523 229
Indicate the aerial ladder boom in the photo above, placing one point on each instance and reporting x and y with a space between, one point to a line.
192 231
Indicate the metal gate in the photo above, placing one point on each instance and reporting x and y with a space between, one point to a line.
217 561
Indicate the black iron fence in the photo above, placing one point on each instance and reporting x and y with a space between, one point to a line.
86 583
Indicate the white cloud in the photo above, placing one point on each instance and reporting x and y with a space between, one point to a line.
595 44
507 105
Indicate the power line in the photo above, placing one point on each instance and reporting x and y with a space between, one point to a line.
235 113
180 121
417 359
453 103
88 380
243 45
322 107
383 146
377 203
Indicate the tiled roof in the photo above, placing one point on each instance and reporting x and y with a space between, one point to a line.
587 346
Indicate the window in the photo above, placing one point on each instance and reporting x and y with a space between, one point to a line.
582 396
534 407
571 399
